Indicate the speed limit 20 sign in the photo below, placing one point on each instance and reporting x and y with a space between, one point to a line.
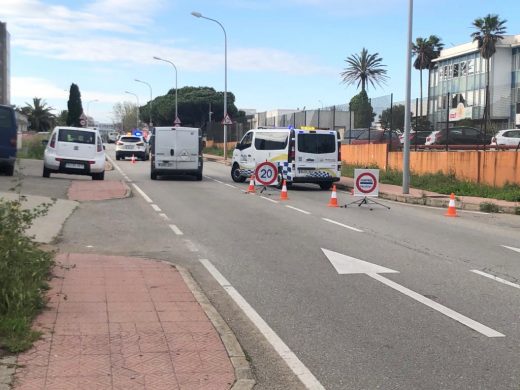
366 182
266 173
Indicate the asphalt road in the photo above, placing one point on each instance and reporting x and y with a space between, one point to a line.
350 331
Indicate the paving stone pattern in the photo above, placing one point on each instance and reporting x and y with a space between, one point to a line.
97 190
123 323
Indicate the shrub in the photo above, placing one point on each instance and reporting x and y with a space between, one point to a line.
32 148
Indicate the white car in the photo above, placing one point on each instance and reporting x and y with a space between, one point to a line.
75 150
431 138
509 137
132 145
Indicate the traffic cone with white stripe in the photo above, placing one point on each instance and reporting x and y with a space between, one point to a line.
333 202
133 159
452 211
251 188
283 194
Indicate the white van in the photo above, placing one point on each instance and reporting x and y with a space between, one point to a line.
112 137
302 155
176 151
75 150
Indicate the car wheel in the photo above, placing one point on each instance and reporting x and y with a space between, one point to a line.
198 176
98 176
326 185
46 172
9 171
235 174
153 175
118 157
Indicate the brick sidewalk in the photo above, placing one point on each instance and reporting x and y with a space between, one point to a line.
97 190
123 323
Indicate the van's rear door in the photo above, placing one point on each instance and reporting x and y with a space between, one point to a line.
188 146
316 151
165 144
76 144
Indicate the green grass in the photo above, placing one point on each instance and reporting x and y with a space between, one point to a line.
444 184
214 150
32 147
24 272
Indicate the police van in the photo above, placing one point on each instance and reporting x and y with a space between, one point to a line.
305 155
176 151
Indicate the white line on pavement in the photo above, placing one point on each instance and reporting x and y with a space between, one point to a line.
300 210
191 246
218 181
230 185
164 216
511 248
176 230
343 225
477 326
155 207
299 369
270 200
146 197
495 278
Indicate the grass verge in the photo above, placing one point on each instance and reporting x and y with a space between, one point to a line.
24 273
214 150
32 147
444 184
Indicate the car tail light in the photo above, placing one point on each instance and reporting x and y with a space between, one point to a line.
99 147
339 151
52 144
58 158
140 144
292 152
91 162
119 143
13 142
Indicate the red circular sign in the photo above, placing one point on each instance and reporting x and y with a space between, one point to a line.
369 183
266 173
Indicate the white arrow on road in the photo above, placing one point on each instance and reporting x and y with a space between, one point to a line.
350 265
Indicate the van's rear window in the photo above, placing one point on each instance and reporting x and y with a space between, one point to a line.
316 143
271 140
7 119
130 139
77 136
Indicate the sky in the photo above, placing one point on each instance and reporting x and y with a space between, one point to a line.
282 54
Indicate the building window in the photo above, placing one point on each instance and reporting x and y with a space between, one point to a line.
455 70
469 98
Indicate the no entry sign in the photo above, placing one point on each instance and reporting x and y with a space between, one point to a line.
366 182
266 173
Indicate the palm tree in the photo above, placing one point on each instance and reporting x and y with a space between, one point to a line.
426 50
489 30
39 115
364 68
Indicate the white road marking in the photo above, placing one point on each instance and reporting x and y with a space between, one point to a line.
191 246
164 216
299 369
218 181
511 248
146 197
496 278
343 225
230 185
270 200
155 207
349 265
177 231
297 209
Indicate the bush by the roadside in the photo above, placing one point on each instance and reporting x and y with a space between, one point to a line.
214 150
32 147
24 272
444 184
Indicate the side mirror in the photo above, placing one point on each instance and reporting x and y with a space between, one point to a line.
45 142
238 145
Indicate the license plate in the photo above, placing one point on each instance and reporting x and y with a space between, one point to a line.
74 166
165 164
129 146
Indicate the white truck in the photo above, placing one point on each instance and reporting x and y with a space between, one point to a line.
176 151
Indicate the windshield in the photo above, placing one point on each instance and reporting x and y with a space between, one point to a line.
316 143
271 140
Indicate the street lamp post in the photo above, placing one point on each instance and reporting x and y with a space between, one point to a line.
137 98
88 107
151 104
407 104
177 121
199 15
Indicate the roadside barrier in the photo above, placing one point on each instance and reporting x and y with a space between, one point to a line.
251 188
333 202
452 211
283 194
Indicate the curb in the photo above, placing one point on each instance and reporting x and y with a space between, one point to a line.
216 159
243 372
7 369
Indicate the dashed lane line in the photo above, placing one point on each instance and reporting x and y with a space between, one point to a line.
270 200
141 192
297 209
343 225
295 364
495 278
191 246
164 216
512 248
156 208
176 230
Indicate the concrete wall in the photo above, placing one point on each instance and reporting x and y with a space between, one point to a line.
495 168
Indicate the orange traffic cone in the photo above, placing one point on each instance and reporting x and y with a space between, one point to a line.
133 159
333 202
251 188
452 211
283 194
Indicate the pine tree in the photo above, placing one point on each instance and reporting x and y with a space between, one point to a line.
75 108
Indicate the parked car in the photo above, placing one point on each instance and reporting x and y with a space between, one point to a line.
416 137
352 134
430 139
8 139
462 135
112 137
75 150
378 137
510 137
132 145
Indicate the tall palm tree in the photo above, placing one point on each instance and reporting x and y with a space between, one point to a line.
39 114
364 68
489 30
425 51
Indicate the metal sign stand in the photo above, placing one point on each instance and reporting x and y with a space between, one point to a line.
365 200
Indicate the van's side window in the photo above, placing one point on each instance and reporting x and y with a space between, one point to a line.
247 140
271 140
